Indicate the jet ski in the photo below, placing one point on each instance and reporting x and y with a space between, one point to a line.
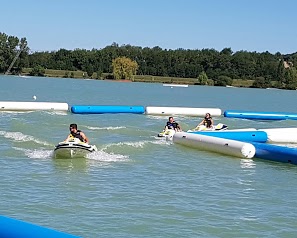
217 127
168 134
73 148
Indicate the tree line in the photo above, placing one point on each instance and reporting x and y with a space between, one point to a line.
209 66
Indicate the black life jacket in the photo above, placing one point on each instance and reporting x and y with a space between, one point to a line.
207 122
172 125
77 135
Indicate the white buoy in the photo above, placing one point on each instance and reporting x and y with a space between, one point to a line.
34 97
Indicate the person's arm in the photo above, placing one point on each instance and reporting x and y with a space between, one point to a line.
166 127
68 138
84 137
201 123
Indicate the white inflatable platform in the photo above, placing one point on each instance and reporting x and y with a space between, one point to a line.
214 144
281 135
187 111
32 106
277 135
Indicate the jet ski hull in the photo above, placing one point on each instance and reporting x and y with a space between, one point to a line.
73 150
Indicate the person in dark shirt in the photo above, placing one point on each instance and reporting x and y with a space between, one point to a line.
74 133
171 124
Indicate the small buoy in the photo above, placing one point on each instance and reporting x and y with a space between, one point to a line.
34 97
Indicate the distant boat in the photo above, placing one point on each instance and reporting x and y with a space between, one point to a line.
176 85
230 86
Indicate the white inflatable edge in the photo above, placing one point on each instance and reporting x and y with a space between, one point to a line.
276 135
188 111
214 144
33 106
281 135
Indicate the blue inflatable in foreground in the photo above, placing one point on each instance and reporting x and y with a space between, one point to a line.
246 136
276 153
260 115
107 109
12 228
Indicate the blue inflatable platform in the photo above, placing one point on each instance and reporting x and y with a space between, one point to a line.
107 109
12 228
260 115
246 136
276 153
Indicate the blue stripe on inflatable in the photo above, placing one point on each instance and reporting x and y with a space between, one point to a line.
107 109
247 136
276 153
13 228
260 115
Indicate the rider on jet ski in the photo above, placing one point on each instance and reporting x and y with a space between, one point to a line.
171 124
74 133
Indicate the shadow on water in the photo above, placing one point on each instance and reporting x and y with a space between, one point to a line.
70 165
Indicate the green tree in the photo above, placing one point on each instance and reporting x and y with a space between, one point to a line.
99 74
280 74
37 71
202 78
223 81
13 50
290 79
124 68
90 70
261 82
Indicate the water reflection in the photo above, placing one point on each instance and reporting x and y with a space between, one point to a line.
71 165
247 164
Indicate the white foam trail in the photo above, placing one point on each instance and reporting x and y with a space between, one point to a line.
18 136
60 113
138 144
36 154
161 141
165 117
106 128
15 112
106 157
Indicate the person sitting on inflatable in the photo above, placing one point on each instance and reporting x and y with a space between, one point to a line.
171 124
207 121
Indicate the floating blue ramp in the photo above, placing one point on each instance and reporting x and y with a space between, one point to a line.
276 153
247 136
260 115
107 109
12 228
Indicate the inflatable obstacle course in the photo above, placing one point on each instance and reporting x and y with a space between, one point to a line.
12 228
107 109
33 106
260 115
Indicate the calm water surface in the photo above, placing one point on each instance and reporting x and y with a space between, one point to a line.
137 185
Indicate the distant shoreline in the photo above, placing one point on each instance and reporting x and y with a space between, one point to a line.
137 78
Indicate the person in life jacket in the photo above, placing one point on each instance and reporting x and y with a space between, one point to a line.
74 133
171 124
207 121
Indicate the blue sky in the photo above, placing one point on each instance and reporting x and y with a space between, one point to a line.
252 25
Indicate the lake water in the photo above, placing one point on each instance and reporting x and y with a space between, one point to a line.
137 185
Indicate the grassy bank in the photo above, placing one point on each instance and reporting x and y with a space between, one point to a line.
137 78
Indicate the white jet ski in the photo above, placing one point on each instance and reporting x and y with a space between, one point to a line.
218 127
73 148
168 134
